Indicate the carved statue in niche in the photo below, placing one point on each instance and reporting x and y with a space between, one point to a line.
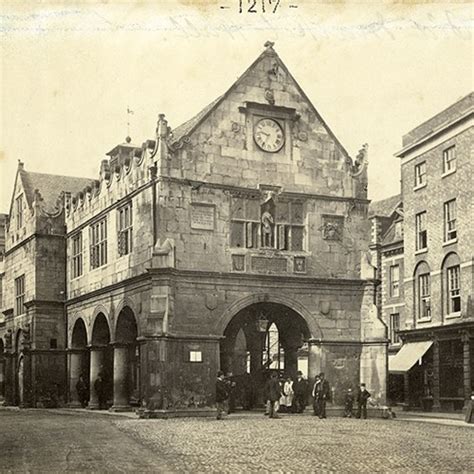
268 223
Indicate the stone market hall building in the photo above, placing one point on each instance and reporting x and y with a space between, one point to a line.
233 241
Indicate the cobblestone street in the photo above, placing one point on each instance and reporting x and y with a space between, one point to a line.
35 440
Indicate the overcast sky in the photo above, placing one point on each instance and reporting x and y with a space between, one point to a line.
68 73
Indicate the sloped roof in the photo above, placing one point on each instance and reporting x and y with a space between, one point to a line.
391 236
438 121
187 127
384 207
51 186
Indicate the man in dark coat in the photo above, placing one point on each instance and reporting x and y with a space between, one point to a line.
231 388
300 387
322 392
222 394
100 387
82 392
362 396
273 390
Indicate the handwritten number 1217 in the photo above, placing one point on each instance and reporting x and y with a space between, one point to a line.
253 6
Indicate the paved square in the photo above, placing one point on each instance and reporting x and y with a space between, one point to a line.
34 440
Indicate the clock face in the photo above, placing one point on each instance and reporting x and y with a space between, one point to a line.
269 135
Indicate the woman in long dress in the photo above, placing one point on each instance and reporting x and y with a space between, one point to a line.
288 393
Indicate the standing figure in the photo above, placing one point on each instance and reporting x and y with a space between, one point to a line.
314 392
348 404
222 394
231 388
300 389
322 395
267 229
273 390
288 393
100 388
362 396
82 392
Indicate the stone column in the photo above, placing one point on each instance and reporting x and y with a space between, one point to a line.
96 363
436 381
315 360
467 369
121 395
2 379
75 369
291 360
9 380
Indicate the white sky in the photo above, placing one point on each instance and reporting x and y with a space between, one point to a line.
68 73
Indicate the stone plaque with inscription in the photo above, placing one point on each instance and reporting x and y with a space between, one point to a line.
202 216
269 264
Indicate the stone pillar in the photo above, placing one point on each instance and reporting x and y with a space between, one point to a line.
2 379
9 380
436 381
315 360
75 369
291 360
121 395
467 369
96 361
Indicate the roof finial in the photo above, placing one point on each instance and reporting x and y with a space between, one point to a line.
129 112
269 45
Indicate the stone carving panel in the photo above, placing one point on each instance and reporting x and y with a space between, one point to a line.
202 216
269 264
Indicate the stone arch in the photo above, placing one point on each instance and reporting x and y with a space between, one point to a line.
100 330
236 306
79 336
126 326
126 304
18 336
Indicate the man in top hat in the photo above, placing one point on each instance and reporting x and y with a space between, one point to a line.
362 396
322 393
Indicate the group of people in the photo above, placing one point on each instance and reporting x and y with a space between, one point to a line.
100 388
291 396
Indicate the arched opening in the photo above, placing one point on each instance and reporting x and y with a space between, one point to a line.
422 291
126 361
260 339
79 335
79 366
101 364
451 285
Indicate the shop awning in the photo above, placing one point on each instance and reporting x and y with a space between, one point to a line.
408 356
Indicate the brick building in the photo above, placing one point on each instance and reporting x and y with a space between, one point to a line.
429 295
234 241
